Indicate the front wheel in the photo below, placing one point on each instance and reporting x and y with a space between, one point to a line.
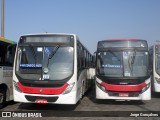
2 98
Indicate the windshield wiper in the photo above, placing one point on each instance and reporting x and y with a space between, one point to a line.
33 53
133 58
52 54
132 61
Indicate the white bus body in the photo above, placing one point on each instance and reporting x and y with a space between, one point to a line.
122 70
154 52
58 64
6 70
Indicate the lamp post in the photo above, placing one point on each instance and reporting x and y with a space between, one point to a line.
2 19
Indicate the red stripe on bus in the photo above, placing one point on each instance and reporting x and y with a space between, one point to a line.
40 90
124 88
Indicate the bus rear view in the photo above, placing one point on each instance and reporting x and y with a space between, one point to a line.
122 70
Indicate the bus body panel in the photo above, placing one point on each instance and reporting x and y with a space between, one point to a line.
62 99
100 94
70 98
7 73
6 79
6 69
116 77
156 87
155 84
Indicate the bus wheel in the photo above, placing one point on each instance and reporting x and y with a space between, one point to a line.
2 98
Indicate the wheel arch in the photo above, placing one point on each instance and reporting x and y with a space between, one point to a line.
3 86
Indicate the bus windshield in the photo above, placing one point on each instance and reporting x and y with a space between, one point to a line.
44 63
122 63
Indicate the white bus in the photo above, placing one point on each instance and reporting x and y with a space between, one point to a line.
6 69
154 52
122 70
51 68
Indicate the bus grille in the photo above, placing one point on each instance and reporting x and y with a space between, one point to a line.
34 98
130 94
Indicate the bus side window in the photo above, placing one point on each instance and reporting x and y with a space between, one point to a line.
2 55
78 56
81 58
10 54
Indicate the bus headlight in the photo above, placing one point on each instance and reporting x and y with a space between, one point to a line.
69 88
158 80
16 86
101 87
146 87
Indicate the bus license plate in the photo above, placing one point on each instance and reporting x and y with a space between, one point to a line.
41 101
123 94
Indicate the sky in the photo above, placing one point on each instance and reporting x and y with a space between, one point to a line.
91 20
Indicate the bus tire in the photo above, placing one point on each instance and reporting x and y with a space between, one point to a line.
2 98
